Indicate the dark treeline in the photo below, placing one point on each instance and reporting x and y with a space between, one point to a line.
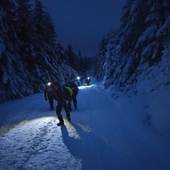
30 54
139 51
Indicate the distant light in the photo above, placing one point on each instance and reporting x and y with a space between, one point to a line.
88 77
49 84
78 78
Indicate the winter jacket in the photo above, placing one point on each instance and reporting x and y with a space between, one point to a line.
62 94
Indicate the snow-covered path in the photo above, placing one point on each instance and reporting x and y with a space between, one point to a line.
102 135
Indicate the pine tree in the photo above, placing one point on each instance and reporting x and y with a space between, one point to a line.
26 29
70 55
46 34
8 20
142 39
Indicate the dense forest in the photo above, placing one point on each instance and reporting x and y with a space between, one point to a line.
138 54
30 54
134 55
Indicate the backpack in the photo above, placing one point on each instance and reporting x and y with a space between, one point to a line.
70 90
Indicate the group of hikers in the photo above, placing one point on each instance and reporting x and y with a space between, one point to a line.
82 79
64 95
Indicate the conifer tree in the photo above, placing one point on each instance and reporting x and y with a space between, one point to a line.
70 55
46 34
26 29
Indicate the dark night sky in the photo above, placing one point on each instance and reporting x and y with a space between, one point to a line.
83 23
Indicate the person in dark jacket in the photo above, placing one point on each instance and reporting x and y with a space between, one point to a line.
75 89
62 95
87 80
48 94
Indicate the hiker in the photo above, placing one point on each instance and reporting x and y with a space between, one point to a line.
62 95
87 80
48 94
75 89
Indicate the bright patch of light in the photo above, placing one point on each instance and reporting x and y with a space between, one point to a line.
37 120
89 86
49 83
72 132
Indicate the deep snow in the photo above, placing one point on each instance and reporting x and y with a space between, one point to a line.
104 133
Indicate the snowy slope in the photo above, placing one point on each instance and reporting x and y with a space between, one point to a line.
104 134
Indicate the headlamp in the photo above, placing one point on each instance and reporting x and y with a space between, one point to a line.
49 84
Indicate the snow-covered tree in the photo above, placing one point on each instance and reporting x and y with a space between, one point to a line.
140 47
28 50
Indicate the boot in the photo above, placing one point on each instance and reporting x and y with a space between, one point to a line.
60 118
60 123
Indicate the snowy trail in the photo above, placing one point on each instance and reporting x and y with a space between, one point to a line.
35 145
101 136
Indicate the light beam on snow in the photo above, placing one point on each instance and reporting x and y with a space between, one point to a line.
71 130
6 128
86 87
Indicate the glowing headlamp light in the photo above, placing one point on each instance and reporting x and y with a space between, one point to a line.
49 84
